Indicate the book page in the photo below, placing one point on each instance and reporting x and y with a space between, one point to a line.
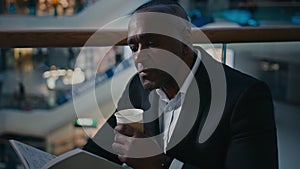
78 159
31 157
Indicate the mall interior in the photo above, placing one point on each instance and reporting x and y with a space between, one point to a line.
55 95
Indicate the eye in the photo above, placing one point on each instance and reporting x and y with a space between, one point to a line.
134 47
151 44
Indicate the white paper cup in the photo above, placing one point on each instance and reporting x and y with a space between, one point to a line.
131 117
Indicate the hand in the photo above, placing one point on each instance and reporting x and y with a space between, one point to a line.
137 149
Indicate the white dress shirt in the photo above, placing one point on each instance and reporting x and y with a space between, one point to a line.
171 109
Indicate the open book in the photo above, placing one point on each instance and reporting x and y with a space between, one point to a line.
33 158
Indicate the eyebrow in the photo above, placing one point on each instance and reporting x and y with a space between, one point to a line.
131 39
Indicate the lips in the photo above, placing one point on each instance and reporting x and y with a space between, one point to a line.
144 73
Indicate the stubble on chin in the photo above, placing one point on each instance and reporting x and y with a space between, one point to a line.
147 84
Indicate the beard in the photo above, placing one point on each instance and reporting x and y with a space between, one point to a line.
154 78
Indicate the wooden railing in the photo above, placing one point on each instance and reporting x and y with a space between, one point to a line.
259 3
77 38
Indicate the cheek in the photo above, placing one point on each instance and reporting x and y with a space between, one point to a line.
159 59
175 47
162 58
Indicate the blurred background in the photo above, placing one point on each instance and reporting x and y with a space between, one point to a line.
36 96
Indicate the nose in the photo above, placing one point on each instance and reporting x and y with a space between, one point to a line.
140 57
139 54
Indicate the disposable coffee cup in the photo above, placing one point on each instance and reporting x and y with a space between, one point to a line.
131 117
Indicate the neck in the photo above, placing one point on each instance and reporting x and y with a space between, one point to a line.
170 89
191 60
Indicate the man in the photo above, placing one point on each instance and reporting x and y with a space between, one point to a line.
205 114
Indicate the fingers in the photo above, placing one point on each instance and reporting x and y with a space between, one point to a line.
128 143
118 148
122 158
121 151
121 144
122 139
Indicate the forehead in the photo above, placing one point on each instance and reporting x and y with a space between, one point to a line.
158 23
146 37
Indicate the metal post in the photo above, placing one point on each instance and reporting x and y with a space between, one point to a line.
224 47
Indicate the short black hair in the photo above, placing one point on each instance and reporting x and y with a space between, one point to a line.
157 2
172 4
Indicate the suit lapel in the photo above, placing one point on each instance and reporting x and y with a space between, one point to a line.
195 102
188 115
151 120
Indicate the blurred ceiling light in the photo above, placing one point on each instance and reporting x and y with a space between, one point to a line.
69 77
78 76
64 3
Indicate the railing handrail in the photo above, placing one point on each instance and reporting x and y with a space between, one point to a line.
78 38
259 4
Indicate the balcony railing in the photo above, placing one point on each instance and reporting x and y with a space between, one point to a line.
77 38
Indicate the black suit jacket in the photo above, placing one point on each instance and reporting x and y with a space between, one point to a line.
243 138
